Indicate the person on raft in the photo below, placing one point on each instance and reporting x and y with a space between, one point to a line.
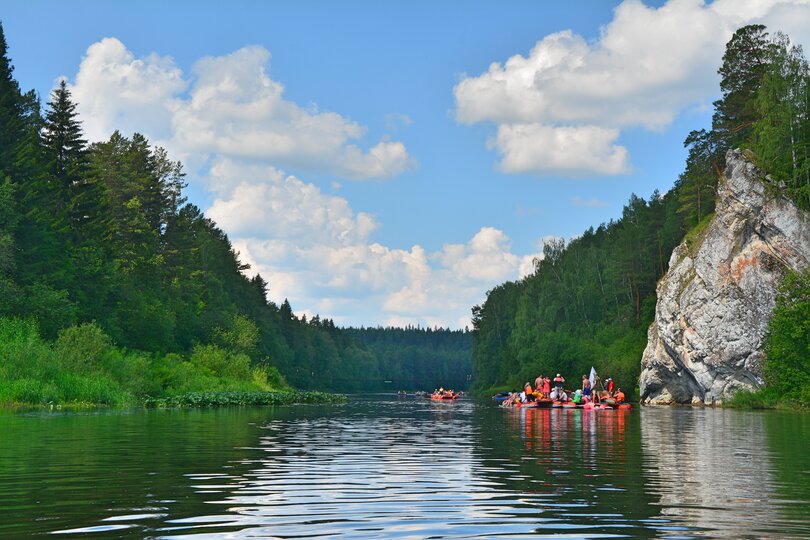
619 397
610 385
546 387
586 386
538 383
528 392
559 381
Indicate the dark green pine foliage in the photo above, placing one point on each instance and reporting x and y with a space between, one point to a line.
745 63
12 121
65 148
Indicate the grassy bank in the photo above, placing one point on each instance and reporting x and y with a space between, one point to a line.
767 398
82 367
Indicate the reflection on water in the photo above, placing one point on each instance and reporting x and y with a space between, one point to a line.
713 470
387 468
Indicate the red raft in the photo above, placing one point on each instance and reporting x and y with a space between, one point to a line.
443 396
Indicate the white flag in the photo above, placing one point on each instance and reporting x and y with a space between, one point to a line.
592 378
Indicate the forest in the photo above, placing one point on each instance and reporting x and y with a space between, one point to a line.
590 301
113 288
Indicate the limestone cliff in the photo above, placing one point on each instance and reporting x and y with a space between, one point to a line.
715 301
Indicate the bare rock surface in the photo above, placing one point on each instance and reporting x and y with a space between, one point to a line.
716 300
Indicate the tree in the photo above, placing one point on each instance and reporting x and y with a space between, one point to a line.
744 65
65 146
781 134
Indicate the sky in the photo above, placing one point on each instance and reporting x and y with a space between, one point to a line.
387 163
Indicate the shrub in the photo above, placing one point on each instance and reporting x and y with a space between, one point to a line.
82 348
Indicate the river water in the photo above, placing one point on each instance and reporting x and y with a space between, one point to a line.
382 467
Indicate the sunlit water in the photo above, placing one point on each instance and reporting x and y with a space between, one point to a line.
405 468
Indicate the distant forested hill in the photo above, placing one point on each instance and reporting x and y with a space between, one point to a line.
417 358
590 302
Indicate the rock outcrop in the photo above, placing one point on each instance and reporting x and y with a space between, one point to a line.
716 300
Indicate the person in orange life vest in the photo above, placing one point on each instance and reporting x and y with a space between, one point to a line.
619 396
559 381
527 388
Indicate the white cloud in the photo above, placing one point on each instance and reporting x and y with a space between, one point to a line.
115 90
648 65
572 151
315 250
232 109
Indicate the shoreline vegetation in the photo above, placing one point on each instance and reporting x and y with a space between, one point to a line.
82 368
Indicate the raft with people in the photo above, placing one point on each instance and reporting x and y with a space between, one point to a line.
543 395
441 394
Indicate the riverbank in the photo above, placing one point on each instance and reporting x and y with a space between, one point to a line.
766 398
83 369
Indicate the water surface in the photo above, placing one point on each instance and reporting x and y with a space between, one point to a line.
384 467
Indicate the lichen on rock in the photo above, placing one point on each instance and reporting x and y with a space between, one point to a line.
716 300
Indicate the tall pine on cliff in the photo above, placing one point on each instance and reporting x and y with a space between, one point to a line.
589 303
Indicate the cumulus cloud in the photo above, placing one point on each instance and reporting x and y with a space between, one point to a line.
228 107
315 250
573 151
115 90
561 109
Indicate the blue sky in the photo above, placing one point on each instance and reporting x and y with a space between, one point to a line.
365 157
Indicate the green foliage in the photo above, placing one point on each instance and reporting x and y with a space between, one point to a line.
787 345
82 349
781 133
222 399
84 366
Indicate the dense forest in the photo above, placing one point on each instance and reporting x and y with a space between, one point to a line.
113 287
589 302
416 358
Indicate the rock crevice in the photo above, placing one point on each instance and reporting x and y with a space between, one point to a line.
716 300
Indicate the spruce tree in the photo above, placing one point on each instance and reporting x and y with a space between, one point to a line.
11 122
65 148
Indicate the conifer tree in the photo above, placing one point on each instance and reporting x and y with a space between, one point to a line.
65 149
744 65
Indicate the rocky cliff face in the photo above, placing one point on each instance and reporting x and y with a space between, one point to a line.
715 302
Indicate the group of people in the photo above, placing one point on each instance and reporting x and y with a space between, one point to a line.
554 389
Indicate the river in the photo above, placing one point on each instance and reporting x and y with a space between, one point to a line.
383 467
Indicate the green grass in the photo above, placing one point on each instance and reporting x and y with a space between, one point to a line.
84 368
766 398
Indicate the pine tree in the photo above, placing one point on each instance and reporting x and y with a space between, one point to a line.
11 112
744 65
65 150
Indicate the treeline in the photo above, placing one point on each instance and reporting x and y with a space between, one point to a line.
590 302
419 358
98 242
